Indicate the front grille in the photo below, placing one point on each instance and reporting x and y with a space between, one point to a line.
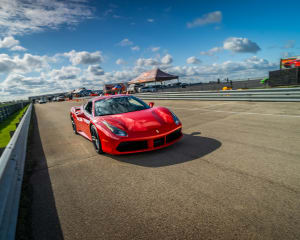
158 142
132 146
173 136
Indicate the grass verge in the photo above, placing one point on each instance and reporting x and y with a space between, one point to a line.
9 125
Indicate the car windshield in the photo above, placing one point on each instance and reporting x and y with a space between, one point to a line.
117 105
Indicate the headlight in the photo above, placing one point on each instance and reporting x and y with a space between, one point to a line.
175 118
115 130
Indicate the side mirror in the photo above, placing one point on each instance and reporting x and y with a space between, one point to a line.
79 114
151 104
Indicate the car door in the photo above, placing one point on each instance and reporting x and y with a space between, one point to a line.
87 115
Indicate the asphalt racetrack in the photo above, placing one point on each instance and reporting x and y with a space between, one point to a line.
234 175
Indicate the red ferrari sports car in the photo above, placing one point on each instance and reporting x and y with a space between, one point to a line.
121 124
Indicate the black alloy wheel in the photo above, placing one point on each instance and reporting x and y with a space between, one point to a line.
96 141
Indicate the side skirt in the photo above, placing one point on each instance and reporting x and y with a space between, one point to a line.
84 135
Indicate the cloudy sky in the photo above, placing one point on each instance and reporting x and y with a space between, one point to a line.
49 46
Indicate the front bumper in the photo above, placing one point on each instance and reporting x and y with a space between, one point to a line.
134 145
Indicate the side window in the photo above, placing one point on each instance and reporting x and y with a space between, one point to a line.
88 107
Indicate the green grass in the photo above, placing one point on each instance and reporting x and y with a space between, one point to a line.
9 125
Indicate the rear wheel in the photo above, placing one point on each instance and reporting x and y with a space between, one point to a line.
96 141
74 126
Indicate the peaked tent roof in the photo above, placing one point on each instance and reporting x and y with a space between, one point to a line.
152 76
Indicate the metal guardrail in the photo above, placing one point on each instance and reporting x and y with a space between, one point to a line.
11 175
262 95
7 110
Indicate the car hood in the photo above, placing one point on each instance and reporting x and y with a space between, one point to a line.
142 123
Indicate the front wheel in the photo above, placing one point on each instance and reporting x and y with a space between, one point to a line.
74 126
96 141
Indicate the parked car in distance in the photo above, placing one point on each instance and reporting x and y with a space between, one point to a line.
41 101
159 86
148 89
94 94
99 92
135 87
131 88
60 98
178 84
184 85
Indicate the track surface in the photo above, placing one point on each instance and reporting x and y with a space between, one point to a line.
234 175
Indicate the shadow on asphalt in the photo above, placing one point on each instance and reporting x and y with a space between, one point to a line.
190 147
45 222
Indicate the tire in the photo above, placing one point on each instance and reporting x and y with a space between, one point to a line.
96 141
74 126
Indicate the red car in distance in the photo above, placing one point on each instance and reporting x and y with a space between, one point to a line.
122 124
292 64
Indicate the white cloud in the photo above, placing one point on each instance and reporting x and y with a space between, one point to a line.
65 73
18 48
7 64
125 75
84 57
125 42
155 49
147 62
209 18
17 86
8 42
212 51
135 48
150 20
34 61
32 75
120 61
250 67
193 60
241 45
21 81
20 17
29 63
95 70
167 59
234 44
11 43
